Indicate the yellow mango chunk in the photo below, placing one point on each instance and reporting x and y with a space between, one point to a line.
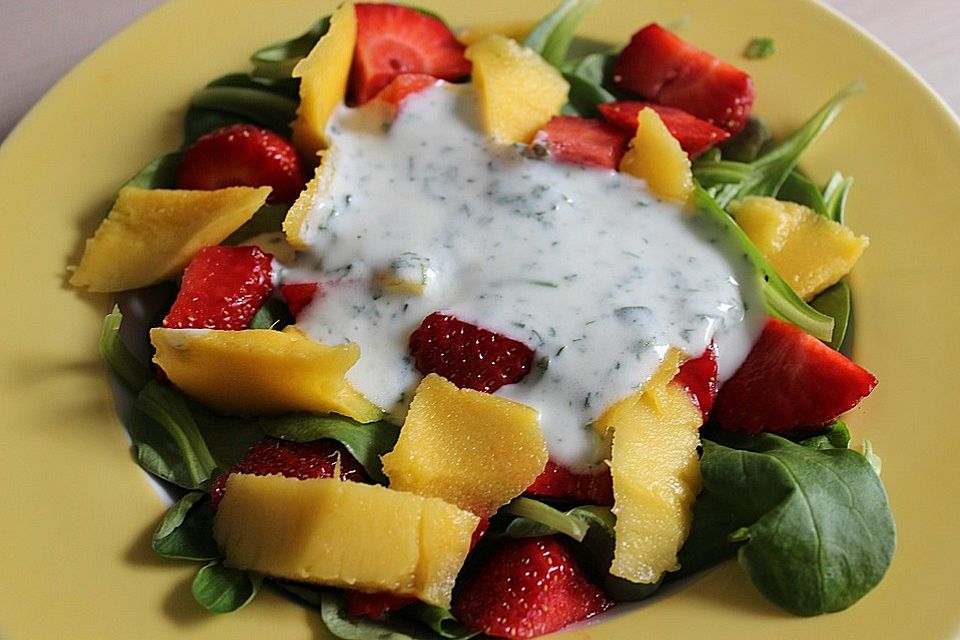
344 534
656 475
261 371
513 30
518 90
150 235
471 449
323 77
303 220
809 251
655 156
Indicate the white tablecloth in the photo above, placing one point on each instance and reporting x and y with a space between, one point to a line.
40 40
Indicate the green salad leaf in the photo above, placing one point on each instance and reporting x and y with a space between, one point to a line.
186 531
389 627
761 47
811 526
553 35
276 61
220 589
836 303
131 372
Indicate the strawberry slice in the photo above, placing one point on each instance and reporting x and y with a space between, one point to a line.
694 135
392 40
299 295
662 67
373 605
467 355
302 460
698 376
528 587
582 141
222 288
243 155
790 380
405 85
558 481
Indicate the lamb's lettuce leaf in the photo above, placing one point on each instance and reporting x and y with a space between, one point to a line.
186 531
219 589
130 371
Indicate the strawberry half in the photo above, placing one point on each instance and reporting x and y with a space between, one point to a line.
404 85
662 67
694 135
528 587
582 141
698 376
243 155
467 355
790 380
373 605
222 288
392 40
302 460
299 295
558 481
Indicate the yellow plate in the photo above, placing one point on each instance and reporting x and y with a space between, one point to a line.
76 513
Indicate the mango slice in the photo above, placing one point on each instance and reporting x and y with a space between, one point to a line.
261 371
809 251
655 156
323 80
303 220
518 90
656 474
345 534
150 235
471 449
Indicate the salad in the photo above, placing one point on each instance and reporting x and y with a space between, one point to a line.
558 331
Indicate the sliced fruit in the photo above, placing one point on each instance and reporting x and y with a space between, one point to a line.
698 377
656 474
261 371
528 587
472 449
345 534
222 288
323 77
694 135
558 481
662 67
519 91
403 86
151 234
299 295
300 223
581 141
392 40
467 355
790 381
302 460
656 157
373 605
809 251
243 155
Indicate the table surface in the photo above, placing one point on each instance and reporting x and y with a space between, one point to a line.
41 40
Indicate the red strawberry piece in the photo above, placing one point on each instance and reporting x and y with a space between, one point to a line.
558 481
299 295
467 355
481 529
790 380
222 288
528 587
243 155
392 40
698 376
694 135
302 460
582 141
662 67
404 85
373 605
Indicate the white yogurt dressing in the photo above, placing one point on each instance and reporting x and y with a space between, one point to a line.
583 265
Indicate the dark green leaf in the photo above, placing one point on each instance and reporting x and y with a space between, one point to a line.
186 531
748 143
365 442
160 173
254 105
440 620
552 36
780 299
760 48
800 189
267 219
133 373
389 627
167 439
835 436
222 590
274 314
836 303
278 60
535 518
815 525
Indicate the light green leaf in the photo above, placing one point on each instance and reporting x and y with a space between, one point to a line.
219 589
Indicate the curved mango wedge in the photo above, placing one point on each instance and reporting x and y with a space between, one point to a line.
261 371
656 156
